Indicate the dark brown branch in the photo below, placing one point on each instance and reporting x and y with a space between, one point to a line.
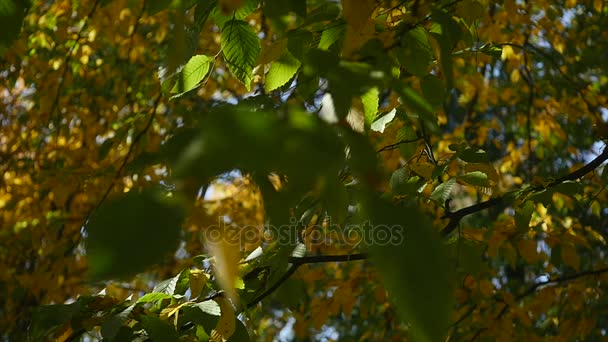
458 215
532 289
464 316
560 280
592 165
299 261
290 271
327 258
396 145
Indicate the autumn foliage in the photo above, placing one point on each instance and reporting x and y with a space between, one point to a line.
369 170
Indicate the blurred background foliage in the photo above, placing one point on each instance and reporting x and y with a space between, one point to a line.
231 170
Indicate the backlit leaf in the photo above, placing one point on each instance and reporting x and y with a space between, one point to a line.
370 105
380 124
240 47
281 71
192 74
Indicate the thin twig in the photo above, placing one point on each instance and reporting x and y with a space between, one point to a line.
457 216
397 144
327 258
299 261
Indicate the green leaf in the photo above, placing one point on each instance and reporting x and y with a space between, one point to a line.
105 148
523 216
240 47
433 90
111 327
202 11
298 43
192 74
12 13
415 53
153 296
167 286
442 191
370 105
419 105
48 317
158 330
335 201
473 155
209 307
332 34
569 188
129 233
281 71
380 124
240 333
475 178
407 133
414 267
491 50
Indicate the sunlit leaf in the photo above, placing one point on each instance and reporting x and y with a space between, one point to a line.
153 296
209 307
281 71
443 190
332 35
370 105
167 286
380 124
192 74
241 48
475 178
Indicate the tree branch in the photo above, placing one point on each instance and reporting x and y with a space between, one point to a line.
396 145
299 261
458 215
559 280
327 258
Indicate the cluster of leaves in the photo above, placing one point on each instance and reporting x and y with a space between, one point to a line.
138 136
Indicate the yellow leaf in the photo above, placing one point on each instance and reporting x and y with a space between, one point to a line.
515 75
360 27
272 51
226 324
486 288
198 280
527 250
469 282
319 312
507 51
167 312
226 253
65 336
571 257
423 168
